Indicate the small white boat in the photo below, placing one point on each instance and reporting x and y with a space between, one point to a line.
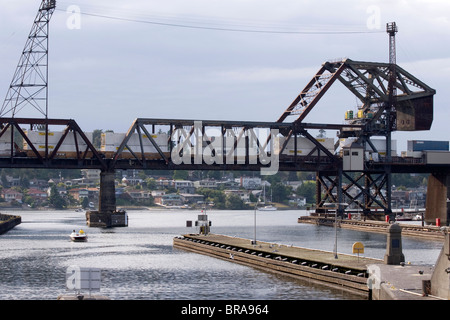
267 208
404 217
79 236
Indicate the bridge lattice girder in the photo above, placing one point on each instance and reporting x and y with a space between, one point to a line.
30 81
395 99
368 81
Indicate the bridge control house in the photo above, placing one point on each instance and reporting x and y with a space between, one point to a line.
353 157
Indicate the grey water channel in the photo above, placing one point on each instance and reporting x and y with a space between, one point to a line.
138 262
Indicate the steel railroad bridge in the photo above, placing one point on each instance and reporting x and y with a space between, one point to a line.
391 99
257 145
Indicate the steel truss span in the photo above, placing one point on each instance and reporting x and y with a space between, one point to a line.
390 99
167 144
369 82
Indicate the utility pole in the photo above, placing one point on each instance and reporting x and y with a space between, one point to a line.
29 85
391 29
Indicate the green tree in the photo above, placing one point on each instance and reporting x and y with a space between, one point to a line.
180 174
234 202
409 180
214 174
55 199
3 179
216 196
150 183
71 200
85 202
308 190
24 182
28 200
280 192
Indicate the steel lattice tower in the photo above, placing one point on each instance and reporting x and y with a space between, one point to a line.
29 85
391 29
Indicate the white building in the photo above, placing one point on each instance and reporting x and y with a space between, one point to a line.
209 184
91 174
243 194
249 183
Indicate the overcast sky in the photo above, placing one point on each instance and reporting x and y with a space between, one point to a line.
115 61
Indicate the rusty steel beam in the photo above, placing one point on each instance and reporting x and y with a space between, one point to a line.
243 126
312 93
46 160
370 82
294 162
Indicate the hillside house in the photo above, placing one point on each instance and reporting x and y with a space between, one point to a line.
12 195
37 194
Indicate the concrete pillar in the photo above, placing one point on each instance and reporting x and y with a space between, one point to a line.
318 192
107 215
440 279
107 196
394 254
437 195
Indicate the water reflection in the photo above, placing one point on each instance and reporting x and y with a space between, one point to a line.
139 262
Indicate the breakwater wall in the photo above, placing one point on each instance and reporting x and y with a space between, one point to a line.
346 272
427 232
7 222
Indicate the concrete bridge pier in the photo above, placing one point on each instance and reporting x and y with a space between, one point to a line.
440 279
107 214
438 193
394 252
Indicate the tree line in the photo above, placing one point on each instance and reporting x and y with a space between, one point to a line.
278 190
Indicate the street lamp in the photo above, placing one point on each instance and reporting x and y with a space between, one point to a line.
337 209
256 206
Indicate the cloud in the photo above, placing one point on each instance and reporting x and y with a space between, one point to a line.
117 70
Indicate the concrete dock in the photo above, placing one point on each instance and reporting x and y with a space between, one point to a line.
400 282
347 272
425 232
8 222
369 278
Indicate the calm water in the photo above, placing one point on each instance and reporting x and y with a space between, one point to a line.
139 262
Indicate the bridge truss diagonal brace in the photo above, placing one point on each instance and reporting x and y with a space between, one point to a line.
221 145
43 151
370 82
371 191
368 194
73 126
143 134
313 91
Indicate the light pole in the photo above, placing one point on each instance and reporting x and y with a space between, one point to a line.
335 231
254 240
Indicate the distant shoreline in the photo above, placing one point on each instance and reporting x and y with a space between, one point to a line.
133 208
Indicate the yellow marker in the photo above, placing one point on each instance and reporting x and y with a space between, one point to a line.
358 248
